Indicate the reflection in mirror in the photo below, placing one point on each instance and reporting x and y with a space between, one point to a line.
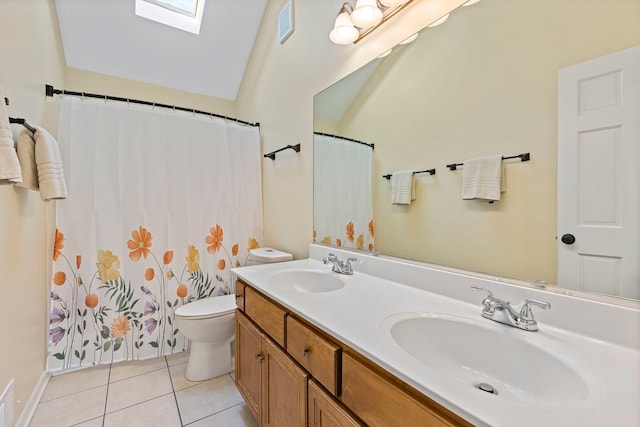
343 211
484 83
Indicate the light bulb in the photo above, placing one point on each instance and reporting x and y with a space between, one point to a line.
410 39
438 21
343 31
366 14
470 2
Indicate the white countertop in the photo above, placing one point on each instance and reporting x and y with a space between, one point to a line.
355 315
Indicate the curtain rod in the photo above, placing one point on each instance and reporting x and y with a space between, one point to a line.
346 139
50 91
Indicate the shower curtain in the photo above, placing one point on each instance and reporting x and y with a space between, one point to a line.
161 205
342 193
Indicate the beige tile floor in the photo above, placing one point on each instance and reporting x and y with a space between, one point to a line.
151 393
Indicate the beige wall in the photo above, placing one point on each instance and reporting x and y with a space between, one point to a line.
87 81
278 89
31 55
483 83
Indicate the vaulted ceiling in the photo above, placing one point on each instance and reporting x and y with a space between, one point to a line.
106 36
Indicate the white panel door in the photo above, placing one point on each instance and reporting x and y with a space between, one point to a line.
598 175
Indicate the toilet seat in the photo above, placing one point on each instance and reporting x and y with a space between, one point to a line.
208 307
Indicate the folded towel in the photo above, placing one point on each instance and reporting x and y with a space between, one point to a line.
49 164
403 187
27 157
483 178
10 172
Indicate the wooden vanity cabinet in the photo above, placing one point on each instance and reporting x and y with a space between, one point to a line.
273 386
290 374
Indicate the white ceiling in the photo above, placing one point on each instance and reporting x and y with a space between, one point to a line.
106 36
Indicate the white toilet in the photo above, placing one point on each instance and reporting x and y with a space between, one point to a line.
209 324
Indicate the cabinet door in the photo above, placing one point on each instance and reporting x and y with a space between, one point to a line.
249 356
326 412
284 389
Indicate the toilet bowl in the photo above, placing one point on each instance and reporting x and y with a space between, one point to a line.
209 324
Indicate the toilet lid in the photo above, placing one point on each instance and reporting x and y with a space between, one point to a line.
267 255
208 307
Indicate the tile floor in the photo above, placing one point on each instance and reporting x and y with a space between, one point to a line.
152 392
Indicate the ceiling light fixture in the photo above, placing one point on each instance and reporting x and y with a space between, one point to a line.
353 23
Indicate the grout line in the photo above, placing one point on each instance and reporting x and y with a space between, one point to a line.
106 396
215 413
175 398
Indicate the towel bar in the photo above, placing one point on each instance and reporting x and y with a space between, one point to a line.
429 171
524 157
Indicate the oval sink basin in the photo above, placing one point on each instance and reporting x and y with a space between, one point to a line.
305 281
472 352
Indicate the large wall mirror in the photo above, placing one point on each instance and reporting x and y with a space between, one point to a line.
484 82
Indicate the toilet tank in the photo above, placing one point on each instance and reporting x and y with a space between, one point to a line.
266 256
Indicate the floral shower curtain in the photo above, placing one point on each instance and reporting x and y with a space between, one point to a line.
342 193
161 205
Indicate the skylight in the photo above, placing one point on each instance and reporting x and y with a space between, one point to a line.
185 15
188 7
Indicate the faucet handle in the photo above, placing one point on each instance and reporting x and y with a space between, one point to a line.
347 265
525 311
330 257
478 288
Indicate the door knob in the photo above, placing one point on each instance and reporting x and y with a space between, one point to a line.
568 239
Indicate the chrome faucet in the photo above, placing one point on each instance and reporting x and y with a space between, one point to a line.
342 267
502 312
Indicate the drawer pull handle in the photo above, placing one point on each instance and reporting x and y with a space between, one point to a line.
238 296
304 351
259 357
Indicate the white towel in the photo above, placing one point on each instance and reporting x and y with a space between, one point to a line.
483 178
27 157
49 164
403 187
10 172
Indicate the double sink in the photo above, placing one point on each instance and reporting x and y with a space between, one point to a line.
470 351
448 350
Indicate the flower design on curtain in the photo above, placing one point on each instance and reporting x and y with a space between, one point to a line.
350 239
131 314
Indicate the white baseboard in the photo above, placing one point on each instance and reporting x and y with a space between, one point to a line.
32 404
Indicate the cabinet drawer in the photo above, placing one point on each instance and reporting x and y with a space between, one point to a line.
265 314
315 353
380 402
240 286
